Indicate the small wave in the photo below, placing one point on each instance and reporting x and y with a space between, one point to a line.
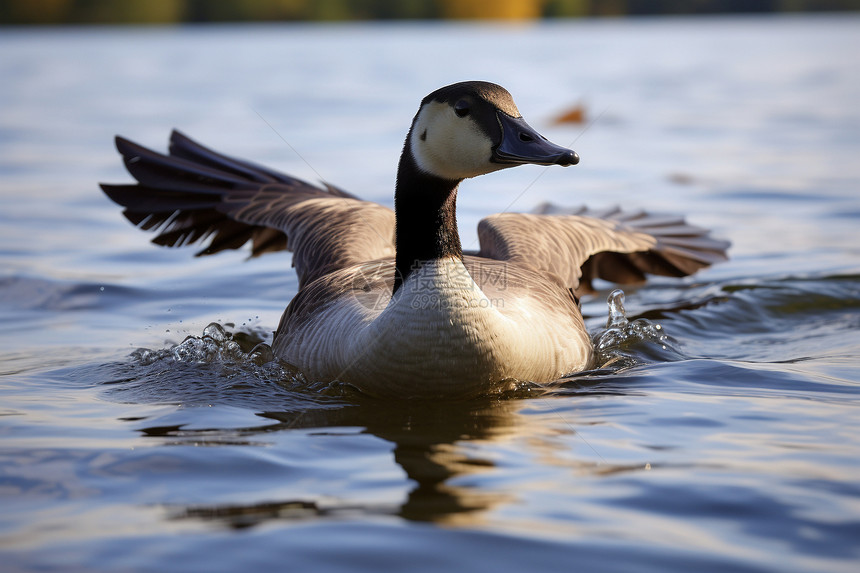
771 320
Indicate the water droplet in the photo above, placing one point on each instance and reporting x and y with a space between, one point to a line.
216 332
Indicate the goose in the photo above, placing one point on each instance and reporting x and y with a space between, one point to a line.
388 301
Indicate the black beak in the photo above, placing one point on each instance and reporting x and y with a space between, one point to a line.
521 143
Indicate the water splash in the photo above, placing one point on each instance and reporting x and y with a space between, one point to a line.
219 347
217 368
625 343
215 345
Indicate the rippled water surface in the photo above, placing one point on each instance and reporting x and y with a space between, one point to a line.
728 442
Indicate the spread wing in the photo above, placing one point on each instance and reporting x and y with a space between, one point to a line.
584 244
195 195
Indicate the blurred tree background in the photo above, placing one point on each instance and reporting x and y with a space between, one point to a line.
178 11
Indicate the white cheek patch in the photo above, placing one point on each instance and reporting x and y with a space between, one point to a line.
448 146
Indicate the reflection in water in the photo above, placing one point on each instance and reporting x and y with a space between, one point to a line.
446 451
244 516
427 448
426 440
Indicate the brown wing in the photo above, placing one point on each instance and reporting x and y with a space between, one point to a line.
196 195
583 244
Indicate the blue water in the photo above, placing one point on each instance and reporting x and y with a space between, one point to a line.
730 442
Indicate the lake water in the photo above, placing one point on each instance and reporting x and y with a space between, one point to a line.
734 444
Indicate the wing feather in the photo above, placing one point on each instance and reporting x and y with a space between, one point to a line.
580 245
195 195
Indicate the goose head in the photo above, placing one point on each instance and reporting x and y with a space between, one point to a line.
472 128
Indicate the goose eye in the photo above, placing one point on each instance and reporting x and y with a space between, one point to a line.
461 108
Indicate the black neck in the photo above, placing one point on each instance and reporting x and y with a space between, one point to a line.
426 211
